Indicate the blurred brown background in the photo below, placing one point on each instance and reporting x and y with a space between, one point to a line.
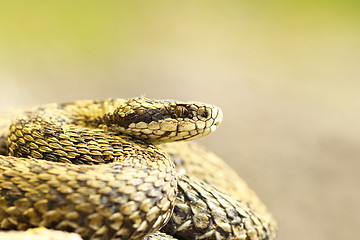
286 74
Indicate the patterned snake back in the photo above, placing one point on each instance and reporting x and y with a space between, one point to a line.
110 173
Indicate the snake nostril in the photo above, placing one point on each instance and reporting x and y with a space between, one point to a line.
205 114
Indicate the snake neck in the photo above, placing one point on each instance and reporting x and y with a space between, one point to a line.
91 113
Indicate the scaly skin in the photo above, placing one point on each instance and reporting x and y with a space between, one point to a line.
130 188
202 210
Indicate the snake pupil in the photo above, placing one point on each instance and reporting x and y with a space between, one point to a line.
181 111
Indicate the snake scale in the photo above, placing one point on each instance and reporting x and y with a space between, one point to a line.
122 169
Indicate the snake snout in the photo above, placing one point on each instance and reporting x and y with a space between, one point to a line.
218 119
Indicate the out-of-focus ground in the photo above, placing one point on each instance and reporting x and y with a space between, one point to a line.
286 74
39 234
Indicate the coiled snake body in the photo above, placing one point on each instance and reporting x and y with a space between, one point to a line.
111 173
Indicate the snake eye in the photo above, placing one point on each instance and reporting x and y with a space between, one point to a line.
181 111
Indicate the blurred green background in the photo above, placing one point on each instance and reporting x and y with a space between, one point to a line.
286 74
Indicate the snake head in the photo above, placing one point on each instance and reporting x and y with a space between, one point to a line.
164 120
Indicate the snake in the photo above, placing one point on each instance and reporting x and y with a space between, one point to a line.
123 169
